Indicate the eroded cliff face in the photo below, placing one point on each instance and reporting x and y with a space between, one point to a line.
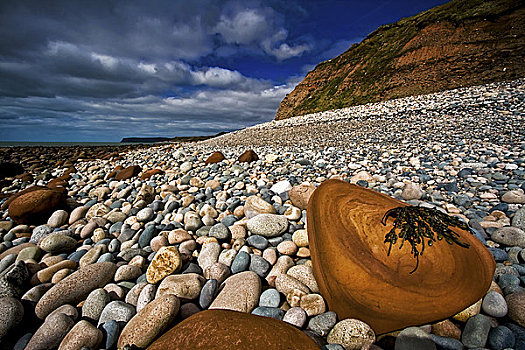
459 44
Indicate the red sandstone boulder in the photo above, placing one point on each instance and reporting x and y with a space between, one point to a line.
128 173
5 205
36 206
359 279
216 157
248 157
149 173
114 172
225 329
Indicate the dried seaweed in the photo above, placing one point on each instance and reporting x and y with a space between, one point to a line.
417 224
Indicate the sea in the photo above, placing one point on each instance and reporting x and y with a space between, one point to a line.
65 144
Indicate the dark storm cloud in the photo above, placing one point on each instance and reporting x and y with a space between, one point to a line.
92 67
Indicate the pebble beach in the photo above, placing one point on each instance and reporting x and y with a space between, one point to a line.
134 241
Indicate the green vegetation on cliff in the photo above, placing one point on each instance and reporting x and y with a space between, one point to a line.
461 43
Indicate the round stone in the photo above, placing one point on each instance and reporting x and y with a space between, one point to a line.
295 316
76 287
313 304
300 238
149 322
299 195
51 332
501 338
412 191
259 265
240 293
209 254
186 286
217 271
82 335
117 311
322 324
255 205
287 248
208 293
414 338
220 231
11 314
285 283
516 307
144 297
273 312
127 272
240 262
99 209
352 334
476 331
494 304
58 218
268 225
511 236
270 297
304 274
145 215
257 241
165 262
56 243
94 304
515 197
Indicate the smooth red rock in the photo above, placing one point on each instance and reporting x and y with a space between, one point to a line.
225 330
114 171
36 206
248 157
58 182
5 205
149 173
128 173
216 157
359 280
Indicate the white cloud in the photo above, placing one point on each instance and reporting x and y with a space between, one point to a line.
258 26
216 77
150 68
107 61
245 27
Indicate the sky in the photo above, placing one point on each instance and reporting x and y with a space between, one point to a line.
101 70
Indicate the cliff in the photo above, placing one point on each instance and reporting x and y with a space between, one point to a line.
458 44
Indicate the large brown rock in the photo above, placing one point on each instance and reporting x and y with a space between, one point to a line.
114 172
76 287
5 205
149 173
225 329
128 173
360 280
216 157
36 206
248 157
